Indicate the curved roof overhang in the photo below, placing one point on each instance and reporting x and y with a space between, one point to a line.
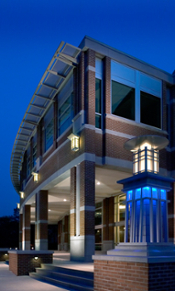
58 70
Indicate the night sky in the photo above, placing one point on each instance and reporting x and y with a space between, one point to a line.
30 32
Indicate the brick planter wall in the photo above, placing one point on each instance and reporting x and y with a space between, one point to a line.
23 262
131 276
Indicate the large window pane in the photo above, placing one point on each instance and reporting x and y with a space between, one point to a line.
49 135
98 95
65 115
123 100
150 109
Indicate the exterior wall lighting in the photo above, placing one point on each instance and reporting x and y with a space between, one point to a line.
145 150
21 194
18 205
75 142
35 176
36 258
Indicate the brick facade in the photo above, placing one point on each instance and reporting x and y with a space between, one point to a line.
101 146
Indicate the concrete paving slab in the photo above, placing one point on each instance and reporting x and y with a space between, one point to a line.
10 282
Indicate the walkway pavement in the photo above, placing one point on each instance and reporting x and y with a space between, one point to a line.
11 282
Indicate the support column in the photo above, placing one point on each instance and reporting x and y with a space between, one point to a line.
20 231
59 235
41 220
108 224
82 239
26 228
66 229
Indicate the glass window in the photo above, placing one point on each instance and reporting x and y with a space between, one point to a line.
49 135
98 95
65 114
120 205
150 109
119 232
28 162
34 150
98 213
98 84
48 128
98 239
123 100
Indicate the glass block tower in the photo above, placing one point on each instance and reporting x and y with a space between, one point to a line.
146 192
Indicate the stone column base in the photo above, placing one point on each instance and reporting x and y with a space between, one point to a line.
41 244
136 267
82 248
24 262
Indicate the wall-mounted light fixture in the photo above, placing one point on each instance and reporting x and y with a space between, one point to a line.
35 176
21 194
18 205
36 258
75 142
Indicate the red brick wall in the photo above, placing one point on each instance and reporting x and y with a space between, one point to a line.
73 201
130 276
87 197
22 264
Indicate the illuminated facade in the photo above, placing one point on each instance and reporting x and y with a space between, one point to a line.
69 151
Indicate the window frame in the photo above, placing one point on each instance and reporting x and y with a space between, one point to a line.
140 81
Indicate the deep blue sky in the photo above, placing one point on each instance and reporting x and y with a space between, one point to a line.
30 32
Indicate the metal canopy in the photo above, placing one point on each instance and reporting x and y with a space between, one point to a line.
58 70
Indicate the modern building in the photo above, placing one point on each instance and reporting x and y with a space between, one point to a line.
69 150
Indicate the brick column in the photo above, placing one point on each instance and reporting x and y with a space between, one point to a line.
59 235
41 220
90 87
26 228
82 238
20 231
108 224
73 202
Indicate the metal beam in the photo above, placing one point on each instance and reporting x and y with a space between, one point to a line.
62 59
38 106
34 114
24 134
21 140
71 59
48 86
30 122
56 74
25 128
44 97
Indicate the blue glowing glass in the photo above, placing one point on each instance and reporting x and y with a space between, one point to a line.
163 194
129 195
146 192
155 193
138 193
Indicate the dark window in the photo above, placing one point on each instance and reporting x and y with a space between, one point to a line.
98 103
150 109
98 216
123 100
65 115
98 95
49 135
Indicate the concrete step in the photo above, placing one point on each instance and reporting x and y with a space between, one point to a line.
74 280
